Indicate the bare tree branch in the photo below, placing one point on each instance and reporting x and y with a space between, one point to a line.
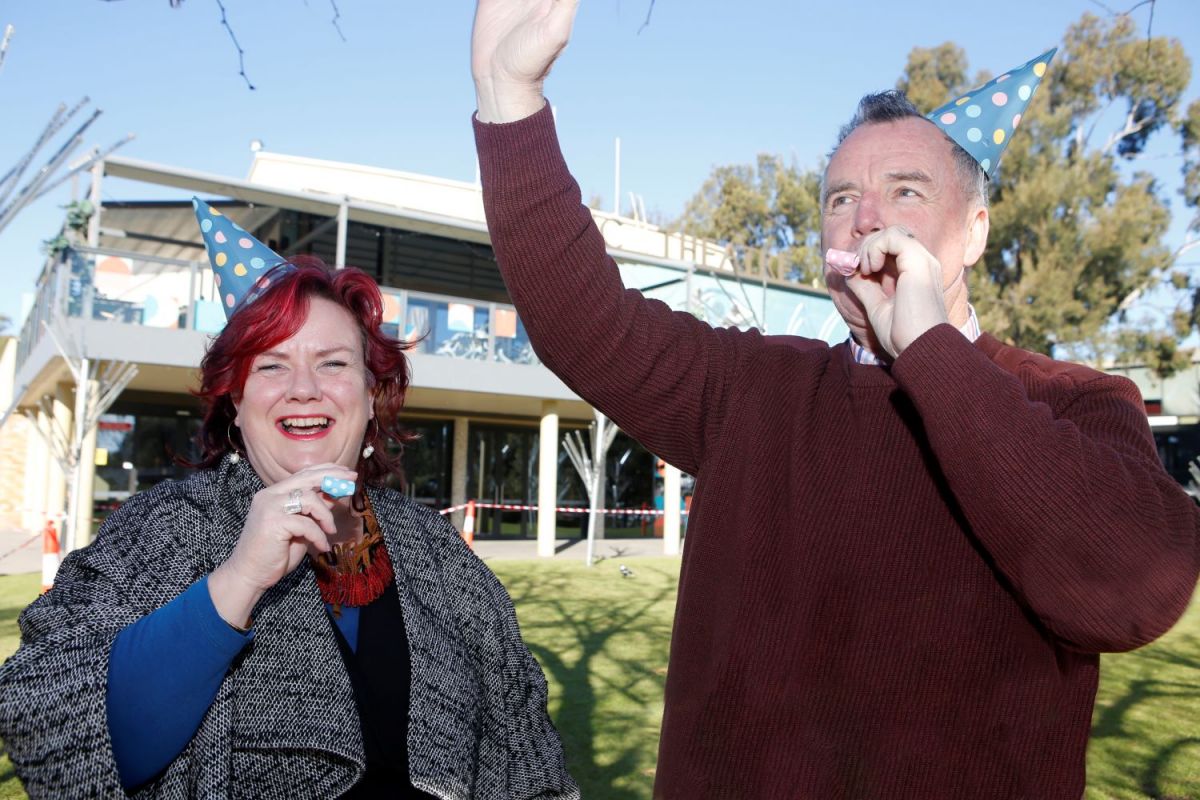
8 32
1131 127
241 52
1149 25
336 16
649 13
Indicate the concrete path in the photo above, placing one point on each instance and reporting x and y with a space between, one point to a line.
21 552
570 549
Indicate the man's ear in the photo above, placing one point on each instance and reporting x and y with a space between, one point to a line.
977 233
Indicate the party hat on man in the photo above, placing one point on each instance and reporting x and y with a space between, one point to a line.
983 120
240 262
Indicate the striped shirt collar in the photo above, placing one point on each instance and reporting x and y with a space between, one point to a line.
862 355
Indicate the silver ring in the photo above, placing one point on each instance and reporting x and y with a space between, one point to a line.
293 505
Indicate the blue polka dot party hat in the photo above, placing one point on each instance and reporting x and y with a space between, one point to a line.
983 120
240 262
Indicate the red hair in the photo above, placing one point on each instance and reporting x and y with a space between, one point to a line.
278 313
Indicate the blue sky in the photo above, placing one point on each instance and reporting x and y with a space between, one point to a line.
706 83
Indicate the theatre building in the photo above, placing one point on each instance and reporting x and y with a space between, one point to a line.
95 385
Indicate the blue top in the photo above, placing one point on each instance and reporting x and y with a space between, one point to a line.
164 673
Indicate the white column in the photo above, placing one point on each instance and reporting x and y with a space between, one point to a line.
547 533
672 496
458 470
343 223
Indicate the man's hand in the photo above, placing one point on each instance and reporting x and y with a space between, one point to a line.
918 303
513 45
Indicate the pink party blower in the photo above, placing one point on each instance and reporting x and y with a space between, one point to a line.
843 261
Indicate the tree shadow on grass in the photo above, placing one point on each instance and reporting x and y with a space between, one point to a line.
10 785
592 630
8 617
1111 722
1177 661
1173 654
1151 782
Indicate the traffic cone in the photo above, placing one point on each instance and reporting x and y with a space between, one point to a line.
49 555
468 532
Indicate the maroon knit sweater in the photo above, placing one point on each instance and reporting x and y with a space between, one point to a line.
896 581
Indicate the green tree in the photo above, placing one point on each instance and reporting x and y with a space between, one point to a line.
768 213
935 74
1077 235
1077 231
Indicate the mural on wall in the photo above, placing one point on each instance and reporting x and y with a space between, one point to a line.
727 302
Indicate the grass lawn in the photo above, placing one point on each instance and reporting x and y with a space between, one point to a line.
602 640
16 592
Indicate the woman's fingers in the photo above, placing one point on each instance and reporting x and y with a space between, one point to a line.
318 508
299 527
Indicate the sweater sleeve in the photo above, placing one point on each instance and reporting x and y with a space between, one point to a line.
163 673
1064 490
664 377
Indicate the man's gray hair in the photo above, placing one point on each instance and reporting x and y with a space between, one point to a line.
892 106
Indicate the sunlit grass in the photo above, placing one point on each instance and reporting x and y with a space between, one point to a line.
602 640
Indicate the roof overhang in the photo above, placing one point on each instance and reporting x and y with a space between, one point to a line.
311 202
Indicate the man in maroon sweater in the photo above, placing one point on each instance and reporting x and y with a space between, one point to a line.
906 551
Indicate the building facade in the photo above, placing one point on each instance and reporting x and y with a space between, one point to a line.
95 389
1173 406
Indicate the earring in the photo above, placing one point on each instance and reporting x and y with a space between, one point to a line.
369 450
235 456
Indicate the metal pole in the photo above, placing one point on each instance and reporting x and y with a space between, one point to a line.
94 197
343 225
75 488
617 180
597 481
189 317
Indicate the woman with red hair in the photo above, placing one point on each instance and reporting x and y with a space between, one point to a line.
280 625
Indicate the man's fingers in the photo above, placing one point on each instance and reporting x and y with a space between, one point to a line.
895 241
870 293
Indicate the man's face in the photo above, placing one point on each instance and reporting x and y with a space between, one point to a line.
900 173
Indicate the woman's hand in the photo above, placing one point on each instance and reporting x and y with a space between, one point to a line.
273 541
513 45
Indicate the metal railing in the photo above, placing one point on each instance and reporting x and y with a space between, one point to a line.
128 288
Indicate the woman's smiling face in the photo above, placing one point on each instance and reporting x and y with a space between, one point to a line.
308 399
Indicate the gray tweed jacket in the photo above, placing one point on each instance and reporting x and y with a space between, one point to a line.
284 723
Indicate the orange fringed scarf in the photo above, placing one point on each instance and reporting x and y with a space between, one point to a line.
355 573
